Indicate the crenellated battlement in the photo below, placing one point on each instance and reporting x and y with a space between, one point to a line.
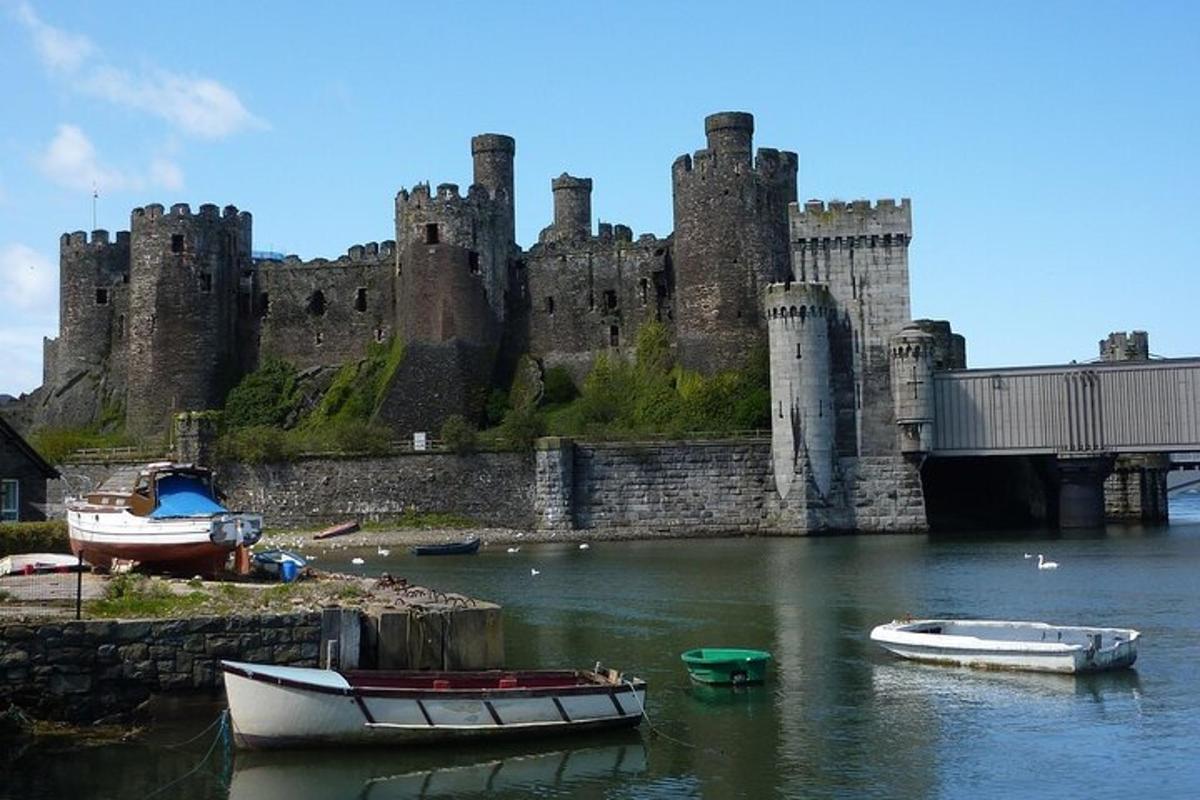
98 239
785 302
816 219
208 212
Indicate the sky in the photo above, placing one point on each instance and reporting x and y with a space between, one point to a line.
1051 150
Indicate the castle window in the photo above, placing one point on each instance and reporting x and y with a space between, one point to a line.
205 282
614 336
591 301
264 302
645 287
121 327
177 243
431 233
360 299
610 300
316 303
550 306
101 296
320 337
379 334
797 350
473 262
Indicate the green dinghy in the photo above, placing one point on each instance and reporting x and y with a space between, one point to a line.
721 665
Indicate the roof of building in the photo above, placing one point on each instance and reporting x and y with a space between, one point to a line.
9 434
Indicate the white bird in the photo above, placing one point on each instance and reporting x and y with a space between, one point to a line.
383 551
1044 564
584 546
357 560
533 572
1029 555
514 550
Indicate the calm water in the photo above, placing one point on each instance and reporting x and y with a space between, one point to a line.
838 717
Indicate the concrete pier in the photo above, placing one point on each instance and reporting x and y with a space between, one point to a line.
1081 490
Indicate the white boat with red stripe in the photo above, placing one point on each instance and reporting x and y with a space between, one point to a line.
272 707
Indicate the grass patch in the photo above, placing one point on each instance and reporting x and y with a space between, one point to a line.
55 444
140 596
34 537
421 520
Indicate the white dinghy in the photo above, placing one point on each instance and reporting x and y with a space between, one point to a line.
295 706
1000 644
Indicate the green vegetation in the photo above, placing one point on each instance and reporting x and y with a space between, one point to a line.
651 396
265 397
131 596
139 596
459 435
34 537
358 388
55 444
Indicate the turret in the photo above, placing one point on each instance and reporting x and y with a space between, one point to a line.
93 302
912 358
803 418
731 240
493 156
572 207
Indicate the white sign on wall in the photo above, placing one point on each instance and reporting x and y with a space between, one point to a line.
420 441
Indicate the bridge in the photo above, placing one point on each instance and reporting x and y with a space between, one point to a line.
1078 417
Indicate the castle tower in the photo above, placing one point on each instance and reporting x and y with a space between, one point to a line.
572 208
184 343
1119 346
93 303
730 241
861 251
912 353
803 419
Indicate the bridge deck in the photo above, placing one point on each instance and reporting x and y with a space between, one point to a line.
1075 409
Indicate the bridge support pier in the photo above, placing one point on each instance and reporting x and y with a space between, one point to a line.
1081 490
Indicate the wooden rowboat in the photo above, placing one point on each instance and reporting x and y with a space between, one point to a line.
293 706
469 547
1000 644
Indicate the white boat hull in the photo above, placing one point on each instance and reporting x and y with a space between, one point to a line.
291 706
105 534
995 644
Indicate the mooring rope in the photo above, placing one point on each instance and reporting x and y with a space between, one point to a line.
222 736
649 722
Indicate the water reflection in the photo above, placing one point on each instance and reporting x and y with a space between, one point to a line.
379 775
928 682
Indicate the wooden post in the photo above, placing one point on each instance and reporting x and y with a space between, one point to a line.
241 560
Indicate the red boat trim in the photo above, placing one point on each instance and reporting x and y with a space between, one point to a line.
562 711
428 694
366 712
492 710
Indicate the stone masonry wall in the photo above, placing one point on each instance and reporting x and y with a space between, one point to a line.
82 671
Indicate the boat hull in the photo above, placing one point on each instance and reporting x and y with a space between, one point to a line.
192 544
276 707
993 644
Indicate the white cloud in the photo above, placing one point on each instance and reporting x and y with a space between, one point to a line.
59 50
70 160
28 279
22 348
196 106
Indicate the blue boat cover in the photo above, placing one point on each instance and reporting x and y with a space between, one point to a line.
184 496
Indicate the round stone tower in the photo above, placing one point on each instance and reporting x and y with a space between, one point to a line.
803 420
183 333
92 303
492 154
912 352
572 207
731 240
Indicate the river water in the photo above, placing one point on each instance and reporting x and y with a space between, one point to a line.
838 717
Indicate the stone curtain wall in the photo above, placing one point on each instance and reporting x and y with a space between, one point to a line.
84 671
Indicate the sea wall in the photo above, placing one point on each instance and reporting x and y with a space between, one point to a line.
83 671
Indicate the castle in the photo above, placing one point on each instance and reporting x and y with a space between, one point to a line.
169 315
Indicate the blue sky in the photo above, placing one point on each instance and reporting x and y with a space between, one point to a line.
1051 149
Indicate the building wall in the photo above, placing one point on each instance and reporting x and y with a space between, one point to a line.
325 313
14 464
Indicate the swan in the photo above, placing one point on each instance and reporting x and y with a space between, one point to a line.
513 550
383 551
1044 564
1029 555
357 560
584 546
533 573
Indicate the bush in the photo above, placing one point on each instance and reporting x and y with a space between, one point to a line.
34 537
522 427
559 387
459 435
266 396
497 406
256 445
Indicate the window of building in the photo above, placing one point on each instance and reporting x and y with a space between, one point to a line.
614 336
591 301
316 303
206 281
320 337
264 303
101 296
610 300
798 354
473 261
550 305
645 287
10 500
177 243
360 299
431 233
121 327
